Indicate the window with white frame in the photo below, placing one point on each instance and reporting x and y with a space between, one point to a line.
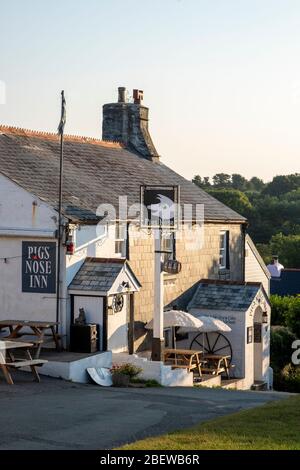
120 239
224 250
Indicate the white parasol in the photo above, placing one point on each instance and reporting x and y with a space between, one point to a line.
173 318
209 325
178 318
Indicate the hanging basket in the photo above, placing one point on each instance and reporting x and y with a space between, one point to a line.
172 267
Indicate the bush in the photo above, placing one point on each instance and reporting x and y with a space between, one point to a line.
280 307
281 347
126 369
286 311
288 379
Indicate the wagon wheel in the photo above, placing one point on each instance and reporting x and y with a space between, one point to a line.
212 343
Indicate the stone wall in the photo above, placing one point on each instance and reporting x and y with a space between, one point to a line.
197 262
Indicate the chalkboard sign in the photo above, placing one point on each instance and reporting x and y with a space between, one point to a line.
39 267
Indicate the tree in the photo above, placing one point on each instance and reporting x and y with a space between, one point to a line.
287 247
239 182
201 182
222 180
282 184
256 184
234 199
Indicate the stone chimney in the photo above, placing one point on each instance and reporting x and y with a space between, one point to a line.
128 123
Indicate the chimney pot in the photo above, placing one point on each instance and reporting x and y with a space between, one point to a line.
121 94
127 122
138 96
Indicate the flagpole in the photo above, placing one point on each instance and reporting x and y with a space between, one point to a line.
59 232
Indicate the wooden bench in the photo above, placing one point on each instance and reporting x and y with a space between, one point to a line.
8 348
33 364
188 367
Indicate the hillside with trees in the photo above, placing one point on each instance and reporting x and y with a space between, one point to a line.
272 209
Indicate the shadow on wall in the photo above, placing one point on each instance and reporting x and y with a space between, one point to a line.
142 337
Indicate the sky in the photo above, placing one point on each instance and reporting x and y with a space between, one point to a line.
221 77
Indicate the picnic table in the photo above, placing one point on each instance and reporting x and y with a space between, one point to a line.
216 364
6 349
20 328
184 359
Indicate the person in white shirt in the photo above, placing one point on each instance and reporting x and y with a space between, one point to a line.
275 267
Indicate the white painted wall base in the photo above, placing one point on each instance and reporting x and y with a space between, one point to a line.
155 370
210 381
75 371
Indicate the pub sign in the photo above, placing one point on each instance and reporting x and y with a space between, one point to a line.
39 267
159 206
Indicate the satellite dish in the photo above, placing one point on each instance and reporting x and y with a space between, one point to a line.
100 376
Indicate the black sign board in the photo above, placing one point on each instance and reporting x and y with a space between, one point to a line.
257 332
159 206
39 267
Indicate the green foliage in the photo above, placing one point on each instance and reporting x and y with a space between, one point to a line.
256 184
283 184
239 182
280 307
272 210
201 182
288 379
234 199
126 369
281 347
287 247
286 312
148 383
286 375
222 180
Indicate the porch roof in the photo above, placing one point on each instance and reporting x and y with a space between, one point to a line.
101 274
224 295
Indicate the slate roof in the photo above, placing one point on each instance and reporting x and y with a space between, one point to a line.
95 172
97 274
223 295
287 284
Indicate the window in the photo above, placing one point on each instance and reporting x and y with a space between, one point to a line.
249 334
168 246
120 239
224 250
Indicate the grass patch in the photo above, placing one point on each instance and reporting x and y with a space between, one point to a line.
274 426
147 383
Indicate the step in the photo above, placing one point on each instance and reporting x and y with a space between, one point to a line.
209 380
33 362
259 385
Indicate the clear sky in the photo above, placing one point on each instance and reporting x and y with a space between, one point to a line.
221 77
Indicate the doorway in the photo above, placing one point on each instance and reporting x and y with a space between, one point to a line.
93 308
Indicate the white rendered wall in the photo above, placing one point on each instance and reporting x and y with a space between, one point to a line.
156 370
91 243
22 218
117 329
